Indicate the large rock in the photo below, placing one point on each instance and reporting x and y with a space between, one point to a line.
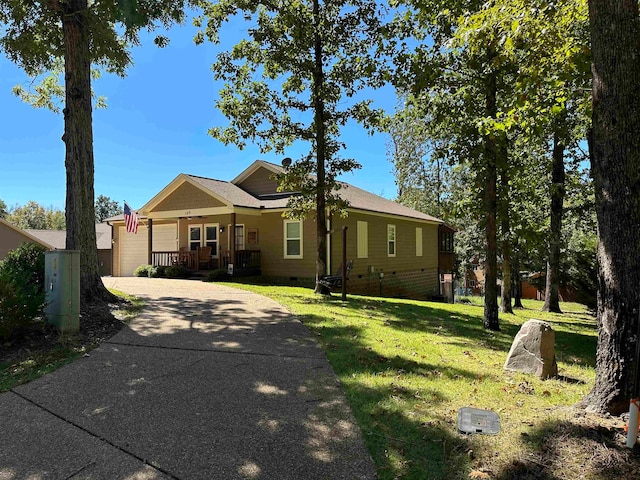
533 350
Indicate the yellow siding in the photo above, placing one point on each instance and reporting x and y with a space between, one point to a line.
11 239
186 197
272 247
260 182
405 259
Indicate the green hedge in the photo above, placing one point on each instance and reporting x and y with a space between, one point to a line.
21 289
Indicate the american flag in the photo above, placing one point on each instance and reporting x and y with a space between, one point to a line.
130 219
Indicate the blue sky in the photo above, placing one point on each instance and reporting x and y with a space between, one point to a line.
154 128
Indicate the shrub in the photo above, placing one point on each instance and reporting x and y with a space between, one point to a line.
142 271
25 265
21 289
176 271
217 275
158 272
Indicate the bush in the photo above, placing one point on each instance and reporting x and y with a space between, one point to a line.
158 272
176 271
25 265
142 271
217 275
21 289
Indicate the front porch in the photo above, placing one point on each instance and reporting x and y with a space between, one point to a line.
244 262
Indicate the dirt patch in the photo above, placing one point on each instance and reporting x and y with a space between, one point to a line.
97 323
582 446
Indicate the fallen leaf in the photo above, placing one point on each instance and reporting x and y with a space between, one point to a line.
477 474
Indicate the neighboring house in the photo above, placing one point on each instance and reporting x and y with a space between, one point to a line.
11 237
58 239
394 248
533 286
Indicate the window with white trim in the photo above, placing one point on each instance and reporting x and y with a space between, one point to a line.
418 242
363 239
391 240
195 237
292 239
211 238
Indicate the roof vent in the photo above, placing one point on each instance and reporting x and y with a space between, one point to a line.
286 162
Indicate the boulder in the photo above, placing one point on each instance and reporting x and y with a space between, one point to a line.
533 350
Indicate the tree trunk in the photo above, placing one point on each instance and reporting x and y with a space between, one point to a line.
615 159
505 303
516 281
78 139
319 117
490 206
551 295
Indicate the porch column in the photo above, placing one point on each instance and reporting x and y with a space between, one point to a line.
232 239
150 237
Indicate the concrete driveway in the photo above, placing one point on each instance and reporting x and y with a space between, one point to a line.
208 382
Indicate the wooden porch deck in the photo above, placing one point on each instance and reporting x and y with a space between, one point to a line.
247 262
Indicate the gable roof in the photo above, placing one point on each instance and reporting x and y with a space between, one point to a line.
234 196
26 234
247 172
57 239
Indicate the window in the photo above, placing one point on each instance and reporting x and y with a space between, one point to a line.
363 240
292 239
238 237
446 241
211 238
391 240
418 242
472 283
195 236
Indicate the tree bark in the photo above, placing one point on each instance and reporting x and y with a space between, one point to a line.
551 293
491 321
505 300
78 139
614 146
516 280
319 119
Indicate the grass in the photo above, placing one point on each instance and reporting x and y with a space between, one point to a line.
51 351
407 367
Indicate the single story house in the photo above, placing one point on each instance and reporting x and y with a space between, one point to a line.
395 250
11 237
58 239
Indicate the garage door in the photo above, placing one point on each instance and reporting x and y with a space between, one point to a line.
165 238
133 250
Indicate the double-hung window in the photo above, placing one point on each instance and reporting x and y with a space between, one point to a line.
391 240
292 239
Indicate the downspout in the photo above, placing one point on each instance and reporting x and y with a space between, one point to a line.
232 239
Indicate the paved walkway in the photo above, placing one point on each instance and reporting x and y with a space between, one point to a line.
208 382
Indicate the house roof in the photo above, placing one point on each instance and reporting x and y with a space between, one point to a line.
233 195
26 234
58 238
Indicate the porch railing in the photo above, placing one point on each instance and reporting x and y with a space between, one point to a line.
244 259
187 258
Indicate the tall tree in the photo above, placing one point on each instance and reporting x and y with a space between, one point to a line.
3 209
614 147
105 208
35 35
290 79
35 216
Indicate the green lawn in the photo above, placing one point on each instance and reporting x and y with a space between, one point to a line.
407 367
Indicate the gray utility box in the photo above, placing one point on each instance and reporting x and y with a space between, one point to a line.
62 288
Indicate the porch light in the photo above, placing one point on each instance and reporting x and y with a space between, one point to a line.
221 229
